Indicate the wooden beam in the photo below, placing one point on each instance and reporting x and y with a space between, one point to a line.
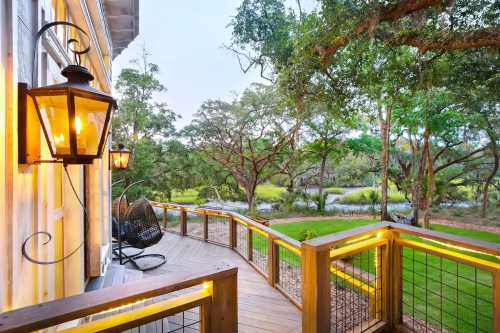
316 289
165 217
224 315
450 254
396 283
40 316
136 317
183 222
232 233
250 244
464 242
272 261
205 227
496 301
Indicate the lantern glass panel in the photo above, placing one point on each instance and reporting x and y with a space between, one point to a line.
90 119
120 159
54 114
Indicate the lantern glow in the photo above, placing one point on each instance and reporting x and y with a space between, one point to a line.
120 157
74 116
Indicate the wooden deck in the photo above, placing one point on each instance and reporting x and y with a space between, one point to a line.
260 307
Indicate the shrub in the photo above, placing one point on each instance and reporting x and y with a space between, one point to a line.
307 234
364 196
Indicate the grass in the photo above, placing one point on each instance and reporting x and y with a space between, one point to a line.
335 190
361 196
476 234
189 196
437 290
321 228
269 192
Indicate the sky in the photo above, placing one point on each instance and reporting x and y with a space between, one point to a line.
186 38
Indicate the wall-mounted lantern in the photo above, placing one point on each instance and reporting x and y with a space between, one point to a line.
120 157
75 122
74 116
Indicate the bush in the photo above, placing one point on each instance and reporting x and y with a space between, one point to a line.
307 234
364 196
269 192
334 190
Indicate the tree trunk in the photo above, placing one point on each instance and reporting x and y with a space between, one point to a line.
417 190
496 156
385 124
321 205
430 185
250 194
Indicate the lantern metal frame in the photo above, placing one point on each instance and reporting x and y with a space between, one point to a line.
120 150
77 85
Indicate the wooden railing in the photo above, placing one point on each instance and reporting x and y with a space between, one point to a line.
382 276
274 255
211 299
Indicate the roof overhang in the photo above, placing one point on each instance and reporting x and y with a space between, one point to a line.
123 22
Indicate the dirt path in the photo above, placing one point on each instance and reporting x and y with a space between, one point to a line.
446 222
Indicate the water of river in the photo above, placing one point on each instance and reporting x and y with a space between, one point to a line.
331 204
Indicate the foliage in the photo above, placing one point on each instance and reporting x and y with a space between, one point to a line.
245 137
369 196
307 234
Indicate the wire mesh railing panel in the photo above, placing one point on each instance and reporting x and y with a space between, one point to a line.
218 229
442 295
289 273
356 291
173 221
184 321
260 251
241 239
194 225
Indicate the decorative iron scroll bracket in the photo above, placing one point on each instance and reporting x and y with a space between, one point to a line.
76 53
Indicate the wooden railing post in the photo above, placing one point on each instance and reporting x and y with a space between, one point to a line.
316 289
165 217
250 243
183 217
496 301
386 279
205 322
205 226
396 282
232 233
224 308
272 261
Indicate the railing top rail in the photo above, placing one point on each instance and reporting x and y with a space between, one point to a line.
328 241
463 243
272 232
40 316
227 213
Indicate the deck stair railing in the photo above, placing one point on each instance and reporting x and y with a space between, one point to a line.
176 302
384 276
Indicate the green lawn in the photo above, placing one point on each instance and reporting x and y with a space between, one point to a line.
321 228
442 292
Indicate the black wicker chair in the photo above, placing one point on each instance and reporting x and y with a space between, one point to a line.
115 230
140 229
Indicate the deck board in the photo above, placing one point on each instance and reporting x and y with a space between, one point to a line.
261 308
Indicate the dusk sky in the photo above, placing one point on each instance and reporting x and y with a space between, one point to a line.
185 39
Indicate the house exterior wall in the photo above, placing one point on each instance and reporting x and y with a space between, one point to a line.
39 197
